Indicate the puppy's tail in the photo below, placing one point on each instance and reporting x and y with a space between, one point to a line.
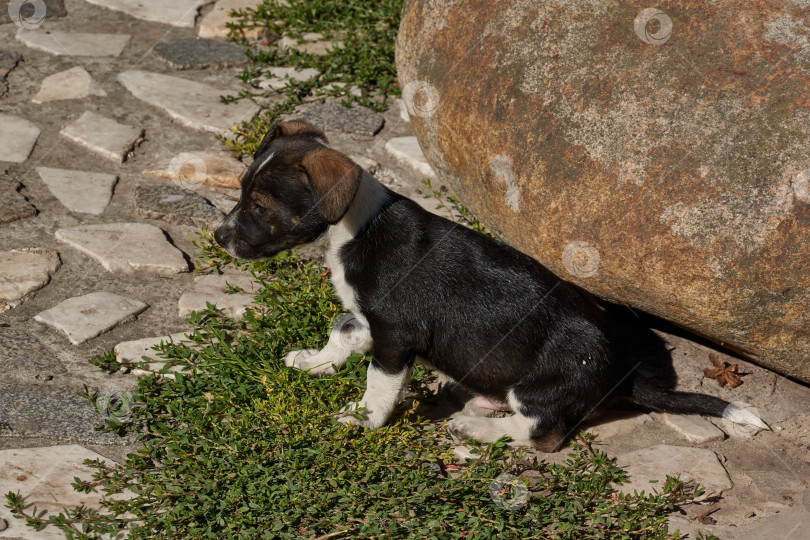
649 394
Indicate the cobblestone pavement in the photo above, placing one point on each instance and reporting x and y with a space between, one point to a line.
109 112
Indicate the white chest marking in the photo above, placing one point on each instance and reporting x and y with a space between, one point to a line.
367 203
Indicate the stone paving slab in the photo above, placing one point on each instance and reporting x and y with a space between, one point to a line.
44 476
692 464
615 423
693 428
311 43
333 116
129 352
408 151
180 13
82 318
215 23
25 360
74 43
198 106
13 206
175 204
194 53
28 15
103 135
209 167
126 247
17 138
281 75
80 191
22 273
134 352
212 289
75 83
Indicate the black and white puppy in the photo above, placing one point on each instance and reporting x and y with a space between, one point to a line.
422 287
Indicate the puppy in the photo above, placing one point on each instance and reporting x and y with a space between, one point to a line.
420 287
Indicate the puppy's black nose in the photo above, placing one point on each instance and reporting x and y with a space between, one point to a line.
222 236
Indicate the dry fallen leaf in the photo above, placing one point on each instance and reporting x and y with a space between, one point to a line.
723 372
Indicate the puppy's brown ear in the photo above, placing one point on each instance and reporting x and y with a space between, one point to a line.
334 179
287 129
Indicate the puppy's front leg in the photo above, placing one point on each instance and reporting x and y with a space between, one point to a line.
384 389
348 336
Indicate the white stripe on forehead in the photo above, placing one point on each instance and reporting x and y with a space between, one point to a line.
263 163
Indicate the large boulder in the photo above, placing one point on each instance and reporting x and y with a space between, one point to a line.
660 160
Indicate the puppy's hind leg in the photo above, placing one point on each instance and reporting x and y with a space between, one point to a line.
523 430
349 335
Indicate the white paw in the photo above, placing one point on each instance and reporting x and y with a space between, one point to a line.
307 360
463 428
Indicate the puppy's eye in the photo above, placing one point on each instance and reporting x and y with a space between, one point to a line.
259 209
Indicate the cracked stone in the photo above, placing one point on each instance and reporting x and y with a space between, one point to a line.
212 289
693 427
209 167
53 8
13 206
175 205
198 106
126 247
8 61
407 151
17 138
180 13
215 23
22 273
103 135
614 423
692 464
75 83
332 115
195 53
84 317
44 476
74 43
280 76
80 191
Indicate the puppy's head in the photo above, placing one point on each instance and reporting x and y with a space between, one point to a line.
295 188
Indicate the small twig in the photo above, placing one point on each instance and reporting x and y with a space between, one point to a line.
586 444
331 535
702 517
